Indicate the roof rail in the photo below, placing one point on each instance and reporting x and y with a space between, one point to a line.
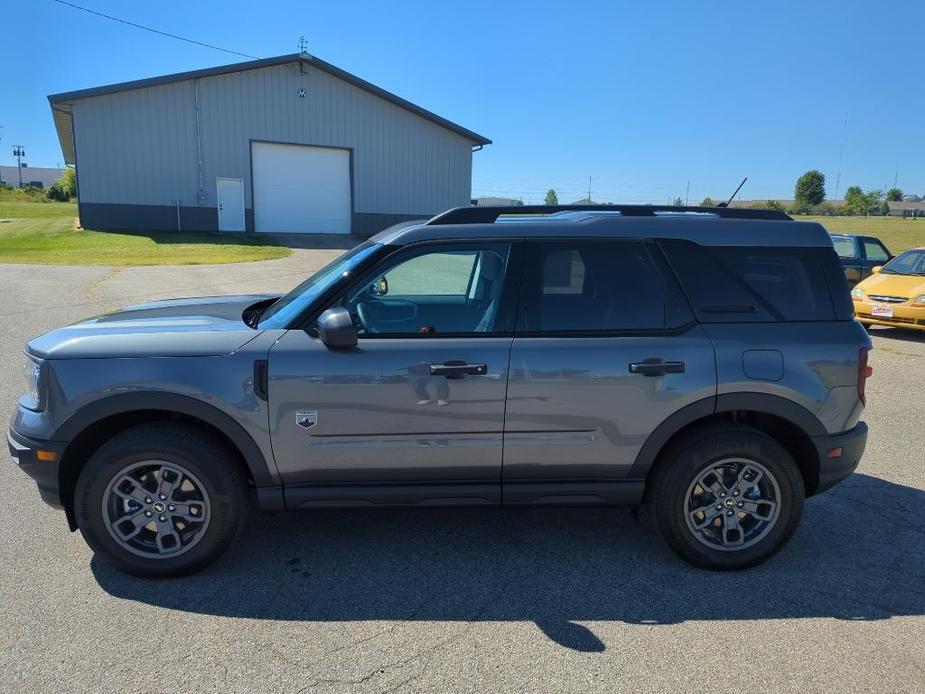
488 215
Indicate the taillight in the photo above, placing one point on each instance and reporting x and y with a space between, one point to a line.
864 372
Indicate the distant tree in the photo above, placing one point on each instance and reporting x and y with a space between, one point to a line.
854 199
707 202
767 205
894 195
551 197
518 203
884 209
859 202
677 202
810 188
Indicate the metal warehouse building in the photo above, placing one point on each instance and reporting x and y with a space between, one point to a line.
283 145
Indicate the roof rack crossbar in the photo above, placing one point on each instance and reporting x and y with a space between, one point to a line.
489 215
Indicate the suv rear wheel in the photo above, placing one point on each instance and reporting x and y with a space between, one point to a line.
727 497
160 500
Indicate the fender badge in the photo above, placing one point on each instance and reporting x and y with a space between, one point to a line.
306 418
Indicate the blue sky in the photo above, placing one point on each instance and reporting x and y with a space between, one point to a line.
643 97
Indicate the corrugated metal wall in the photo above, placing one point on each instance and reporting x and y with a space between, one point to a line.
139 147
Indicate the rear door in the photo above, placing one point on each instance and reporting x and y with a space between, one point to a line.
606 349
419 403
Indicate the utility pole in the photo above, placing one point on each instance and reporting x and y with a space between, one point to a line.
589 190
687 195
19 152
841 155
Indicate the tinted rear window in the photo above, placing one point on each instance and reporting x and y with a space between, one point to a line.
752 283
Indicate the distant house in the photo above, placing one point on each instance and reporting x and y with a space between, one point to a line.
786 203
495 202
907 209
31 175
586 201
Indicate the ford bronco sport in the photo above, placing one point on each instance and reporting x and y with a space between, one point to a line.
704 362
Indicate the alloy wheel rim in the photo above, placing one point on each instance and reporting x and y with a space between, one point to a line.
156 509
732 504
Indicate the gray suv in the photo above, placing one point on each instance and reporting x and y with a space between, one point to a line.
703 362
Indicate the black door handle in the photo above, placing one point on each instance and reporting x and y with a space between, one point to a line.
657 367
458 369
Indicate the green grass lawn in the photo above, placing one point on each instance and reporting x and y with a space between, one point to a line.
898 234
44 233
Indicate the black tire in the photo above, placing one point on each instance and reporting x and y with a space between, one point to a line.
211 464
686 460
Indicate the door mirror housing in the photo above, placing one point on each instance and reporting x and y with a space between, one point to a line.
876 268
336 330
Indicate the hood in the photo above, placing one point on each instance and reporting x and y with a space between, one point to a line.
209 326
909 286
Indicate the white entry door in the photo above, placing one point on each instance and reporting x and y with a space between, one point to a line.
300 189
230 204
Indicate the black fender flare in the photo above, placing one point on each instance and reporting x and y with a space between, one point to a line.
766 403
260 468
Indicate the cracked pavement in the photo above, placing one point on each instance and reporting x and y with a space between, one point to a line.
464 600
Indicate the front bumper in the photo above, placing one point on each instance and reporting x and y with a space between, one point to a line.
24 452
905 315
833 470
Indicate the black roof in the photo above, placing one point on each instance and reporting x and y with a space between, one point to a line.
709 226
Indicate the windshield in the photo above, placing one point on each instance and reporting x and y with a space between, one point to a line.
286 309
908 263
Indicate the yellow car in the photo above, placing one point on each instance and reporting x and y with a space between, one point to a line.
895 294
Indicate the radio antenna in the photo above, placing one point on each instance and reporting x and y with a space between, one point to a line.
732 197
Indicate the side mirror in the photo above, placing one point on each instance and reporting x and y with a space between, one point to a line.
336 330
876 268
381 286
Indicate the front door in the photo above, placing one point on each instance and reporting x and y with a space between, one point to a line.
415 413
230 204
605 351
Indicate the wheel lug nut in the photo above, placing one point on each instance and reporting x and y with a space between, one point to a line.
740 504
719 507
722 495
148 514
728 513
171 508
162 519
163 497
147 499
735 493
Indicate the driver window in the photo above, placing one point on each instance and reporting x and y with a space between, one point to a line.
434 291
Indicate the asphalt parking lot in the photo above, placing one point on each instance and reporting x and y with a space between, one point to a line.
464 601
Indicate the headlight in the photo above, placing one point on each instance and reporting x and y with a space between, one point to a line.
857 293
32 373
919 300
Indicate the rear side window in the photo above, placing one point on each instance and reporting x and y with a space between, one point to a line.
844 246
752 283
595 286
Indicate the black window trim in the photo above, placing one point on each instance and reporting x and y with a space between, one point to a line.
509 292
654 253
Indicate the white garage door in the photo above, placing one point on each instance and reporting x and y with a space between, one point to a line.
301 190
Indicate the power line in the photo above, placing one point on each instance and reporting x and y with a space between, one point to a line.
153 31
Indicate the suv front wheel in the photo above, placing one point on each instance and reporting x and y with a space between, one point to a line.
160 500
727 497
